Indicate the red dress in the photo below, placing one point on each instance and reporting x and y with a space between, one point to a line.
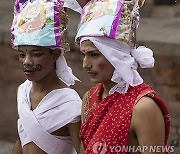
107 121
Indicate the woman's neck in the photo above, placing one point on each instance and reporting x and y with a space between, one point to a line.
106 88
48 84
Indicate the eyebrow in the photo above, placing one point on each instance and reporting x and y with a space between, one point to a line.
36 50
19 50
33 50
90 51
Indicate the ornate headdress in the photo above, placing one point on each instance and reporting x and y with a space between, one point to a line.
41 23
116 19
111 26
44 23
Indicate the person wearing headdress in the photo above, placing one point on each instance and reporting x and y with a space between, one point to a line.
121 114
49 110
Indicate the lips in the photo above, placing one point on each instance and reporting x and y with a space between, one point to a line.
92 73
28 71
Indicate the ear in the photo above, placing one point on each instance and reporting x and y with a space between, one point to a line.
56 54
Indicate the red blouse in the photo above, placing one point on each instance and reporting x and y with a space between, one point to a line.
107 121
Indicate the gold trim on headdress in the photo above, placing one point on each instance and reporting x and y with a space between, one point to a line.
141 3
116 19
128 23
64 29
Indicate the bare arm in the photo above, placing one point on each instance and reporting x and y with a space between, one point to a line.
74 133
82 119
81 148
17 149
148 124
83 107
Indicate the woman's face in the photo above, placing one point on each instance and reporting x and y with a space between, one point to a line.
95 64
37 62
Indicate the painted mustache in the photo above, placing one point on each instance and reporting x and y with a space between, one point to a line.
35 68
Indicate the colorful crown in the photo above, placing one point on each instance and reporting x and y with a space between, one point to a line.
40 23
116 19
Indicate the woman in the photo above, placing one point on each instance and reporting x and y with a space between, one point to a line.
121 114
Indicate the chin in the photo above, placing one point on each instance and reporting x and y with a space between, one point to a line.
32 79
95 81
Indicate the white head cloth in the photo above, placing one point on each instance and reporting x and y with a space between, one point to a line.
72 4
64 72
125 61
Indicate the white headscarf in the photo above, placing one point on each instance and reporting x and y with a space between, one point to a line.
72 4
64 72
125 61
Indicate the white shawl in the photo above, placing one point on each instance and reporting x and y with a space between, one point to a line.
56 109
73 4
125 60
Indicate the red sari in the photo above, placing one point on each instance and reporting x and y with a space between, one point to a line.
107 121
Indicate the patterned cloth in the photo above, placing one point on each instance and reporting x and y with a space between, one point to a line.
107 122
115 19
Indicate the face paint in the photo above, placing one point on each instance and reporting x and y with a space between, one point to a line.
35 68
38 67
101 66
97 66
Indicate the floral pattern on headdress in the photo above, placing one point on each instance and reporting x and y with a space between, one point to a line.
116 19
40 23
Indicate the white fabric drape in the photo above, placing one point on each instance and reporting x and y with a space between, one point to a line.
64 72
56 109
125 61
72 4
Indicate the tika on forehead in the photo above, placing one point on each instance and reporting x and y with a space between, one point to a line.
44 23
111 26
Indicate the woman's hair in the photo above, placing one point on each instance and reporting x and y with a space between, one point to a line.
51 51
